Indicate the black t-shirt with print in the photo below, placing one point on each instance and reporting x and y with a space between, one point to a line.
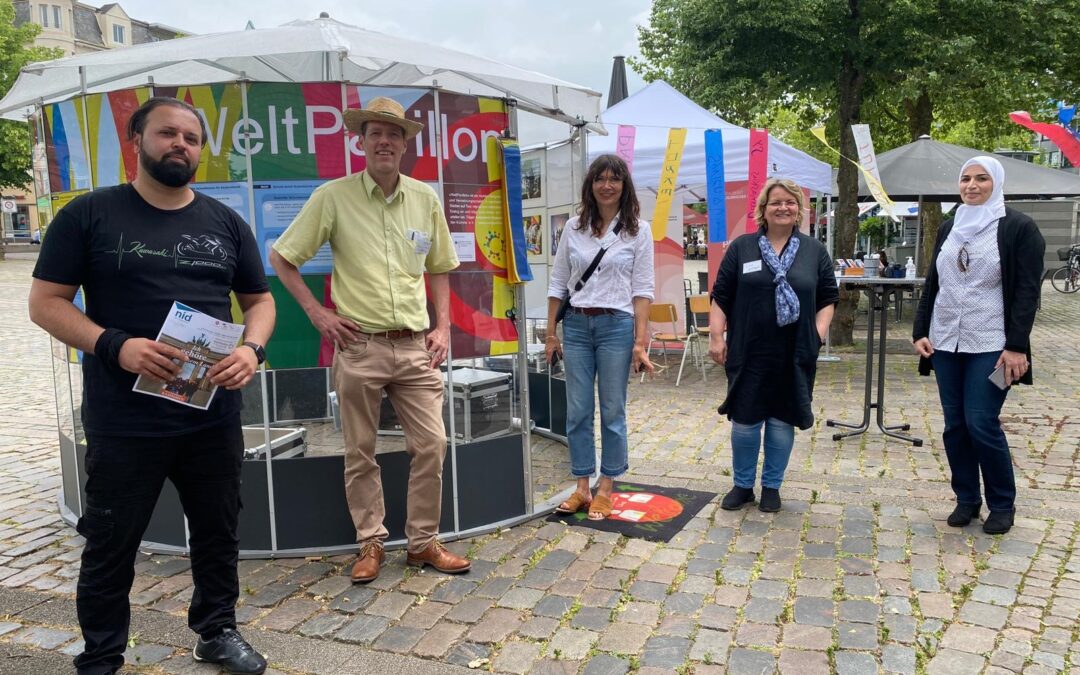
132 261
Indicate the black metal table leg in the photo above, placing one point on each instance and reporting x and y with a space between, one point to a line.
867 404
886 429
876 296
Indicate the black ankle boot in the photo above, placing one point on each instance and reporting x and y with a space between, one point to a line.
999 522
963 514
770 500
736 498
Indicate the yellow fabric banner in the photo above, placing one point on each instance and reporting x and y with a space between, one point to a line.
669 175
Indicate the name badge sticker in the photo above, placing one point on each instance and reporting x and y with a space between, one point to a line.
749 267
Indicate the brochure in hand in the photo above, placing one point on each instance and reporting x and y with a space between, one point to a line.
206 341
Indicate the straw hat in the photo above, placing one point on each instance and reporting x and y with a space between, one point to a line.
382 109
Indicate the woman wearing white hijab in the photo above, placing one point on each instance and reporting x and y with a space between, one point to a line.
975 315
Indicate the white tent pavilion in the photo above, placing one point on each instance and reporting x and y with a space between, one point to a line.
301 51
659 107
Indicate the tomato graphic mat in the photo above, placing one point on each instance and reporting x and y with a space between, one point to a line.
650 512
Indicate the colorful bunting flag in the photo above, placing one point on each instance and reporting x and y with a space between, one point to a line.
757 172
715 186
669 175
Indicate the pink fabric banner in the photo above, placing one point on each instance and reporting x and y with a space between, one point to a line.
624 147
1059 135
757 173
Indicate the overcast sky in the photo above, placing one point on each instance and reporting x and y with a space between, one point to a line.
574 40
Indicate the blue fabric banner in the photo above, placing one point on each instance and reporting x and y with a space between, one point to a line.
517 269
716 194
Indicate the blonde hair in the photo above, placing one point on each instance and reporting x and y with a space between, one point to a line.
787 185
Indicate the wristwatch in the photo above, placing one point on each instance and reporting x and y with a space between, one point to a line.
260 353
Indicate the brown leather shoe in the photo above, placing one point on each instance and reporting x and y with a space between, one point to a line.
438 557
366 567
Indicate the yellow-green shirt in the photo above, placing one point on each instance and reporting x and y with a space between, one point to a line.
378 274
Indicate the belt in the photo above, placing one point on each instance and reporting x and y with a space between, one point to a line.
595 311
394 334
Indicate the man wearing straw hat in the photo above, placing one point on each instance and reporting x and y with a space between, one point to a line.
385 230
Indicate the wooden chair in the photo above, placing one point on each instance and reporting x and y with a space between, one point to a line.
699 304
664 314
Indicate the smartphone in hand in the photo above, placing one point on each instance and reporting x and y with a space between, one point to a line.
998 377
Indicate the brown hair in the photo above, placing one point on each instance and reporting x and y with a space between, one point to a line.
788 186
629 208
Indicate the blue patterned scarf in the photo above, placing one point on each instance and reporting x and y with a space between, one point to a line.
787 303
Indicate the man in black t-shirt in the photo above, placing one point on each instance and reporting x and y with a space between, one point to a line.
134 249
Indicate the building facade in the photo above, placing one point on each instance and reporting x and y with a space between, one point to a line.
78 28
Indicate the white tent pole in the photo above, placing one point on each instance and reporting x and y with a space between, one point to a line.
86 129
449 401
265 373
830 246
521 373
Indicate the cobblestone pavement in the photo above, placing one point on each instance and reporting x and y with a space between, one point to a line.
858 574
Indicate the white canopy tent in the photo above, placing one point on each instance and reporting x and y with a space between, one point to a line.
659 107
300 51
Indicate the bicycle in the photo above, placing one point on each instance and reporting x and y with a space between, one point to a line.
1066 279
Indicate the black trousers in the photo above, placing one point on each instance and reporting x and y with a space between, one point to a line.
124 479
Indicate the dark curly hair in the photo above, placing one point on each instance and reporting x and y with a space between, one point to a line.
629 208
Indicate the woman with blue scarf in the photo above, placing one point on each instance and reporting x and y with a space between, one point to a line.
772 304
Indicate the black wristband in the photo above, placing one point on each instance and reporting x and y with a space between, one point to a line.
107 347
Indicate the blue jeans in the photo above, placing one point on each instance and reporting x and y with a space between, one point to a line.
973 437
745 443
597 349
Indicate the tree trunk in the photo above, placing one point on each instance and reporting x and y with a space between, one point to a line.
920 119
848 111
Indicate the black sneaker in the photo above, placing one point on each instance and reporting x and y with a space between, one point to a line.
736 498
770 500
963 514
231 651
998 522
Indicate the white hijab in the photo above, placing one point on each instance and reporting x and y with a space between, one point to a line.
970 220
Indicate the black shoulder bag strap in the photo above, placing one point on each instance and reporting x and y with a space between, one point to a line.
565 306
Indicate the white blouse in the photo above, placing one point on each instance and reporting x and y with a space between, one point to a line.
969 310
624 273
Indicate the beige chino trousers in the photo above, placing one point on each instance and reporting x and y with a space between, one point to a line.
361 371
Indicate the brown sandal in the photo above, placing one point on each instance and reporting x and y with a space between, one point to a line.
600 508
576 502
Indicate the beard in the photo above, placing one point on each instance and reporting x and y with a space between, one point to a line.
167 172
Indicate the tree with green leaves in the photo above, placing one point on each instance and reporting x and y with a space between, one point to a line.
16 50
904 65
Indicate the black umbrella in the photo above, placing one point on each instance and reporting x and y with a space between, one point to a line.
617 90
929 171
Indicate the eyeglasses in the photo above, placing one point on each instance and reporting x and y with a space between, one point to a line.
791 204
962 259
610 180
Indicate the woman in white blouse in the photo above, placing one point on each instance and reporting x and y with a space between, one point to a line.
974 318
606 327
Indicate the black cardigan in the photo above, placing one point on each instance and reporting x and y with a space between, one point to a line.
813 281
1021 247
